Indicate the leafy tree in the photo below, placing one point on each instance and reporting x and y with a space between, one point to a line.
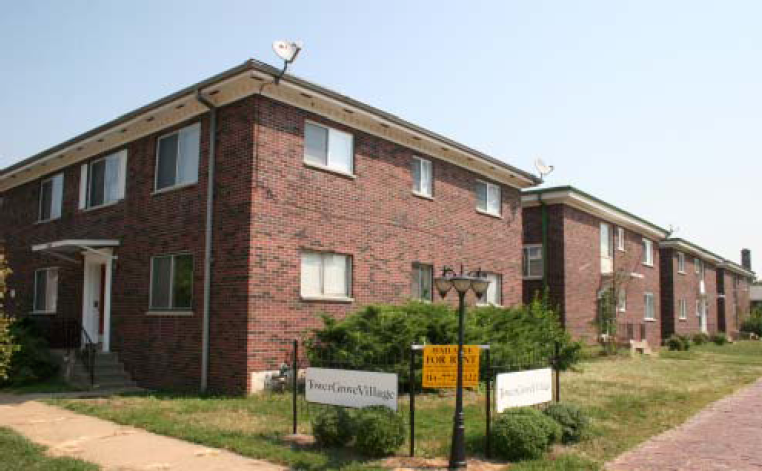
7 345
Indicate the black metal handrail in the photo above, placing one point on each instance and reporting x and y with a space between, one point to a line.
69 333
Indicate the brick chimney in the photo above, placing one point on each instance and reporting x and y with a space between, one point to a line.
746 259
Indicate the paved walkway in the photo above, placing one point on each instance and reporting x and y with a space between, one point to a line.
113 446
727 435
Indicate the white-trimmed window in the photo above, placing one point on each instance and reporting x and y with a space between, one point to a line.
328 148
682 306
681 262
620 238
51 197
650 308
533 266
607 248
488 198
45 291
422 177
621 305
177 156
423 276
102 181
326 275
698 267
648 252
171 282
493 295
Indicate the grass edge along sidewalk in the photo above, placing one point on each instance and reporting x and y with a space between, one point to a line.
20 454
629 400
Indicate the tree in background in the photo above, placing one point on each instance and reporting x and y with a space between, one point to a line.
7 345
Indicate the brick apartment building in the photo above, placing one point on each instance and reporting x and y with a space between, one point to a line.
577 247
733 296
319 204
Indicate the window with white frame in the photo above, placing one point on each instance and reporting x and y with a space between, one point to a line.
648 252
45 290
422 177
680 262
698 266
329 148
423 276
682 305
177 157
620 238
102 181
606 247
650 309
171 282
51 197
698 307
494 290
326 275
532 263
621 305
488 198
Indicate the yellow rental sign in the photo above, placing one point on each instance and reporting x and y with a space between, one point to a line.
440 366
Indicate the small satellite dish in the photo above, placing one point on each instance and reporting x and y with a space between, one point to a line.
287 50
672 230
542 168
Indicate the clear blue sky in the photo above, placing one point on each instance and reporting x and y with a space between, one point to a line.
654 106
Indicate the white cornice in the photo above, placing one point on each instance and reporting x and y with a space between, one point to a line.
239 86
730 266
691 249
588 205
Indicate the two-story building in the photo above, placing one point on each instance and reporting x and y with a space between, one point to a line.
588 254
689 288
197 236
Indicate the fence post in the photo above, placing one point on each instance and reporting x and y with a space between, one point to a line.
556 357
294 374
488 444
411 388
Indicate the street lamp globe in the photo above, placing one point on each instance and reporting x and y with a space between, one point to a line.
443 285
479 285
462 283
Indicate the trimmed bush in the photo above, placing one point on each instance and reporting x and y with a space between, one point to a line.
753 323
574 423
31 361
700 338
719 338
333 427
380 431
678 343
524 433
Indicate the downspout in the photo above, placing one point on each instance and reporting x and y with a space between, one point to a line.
208 239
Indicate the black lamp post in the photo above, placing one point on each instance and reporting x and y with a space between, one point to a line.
462 284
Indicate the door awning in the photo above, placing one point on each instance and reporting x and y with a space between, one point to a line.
65 248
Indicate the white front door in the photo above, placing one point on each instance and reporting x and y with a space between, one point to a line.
96 293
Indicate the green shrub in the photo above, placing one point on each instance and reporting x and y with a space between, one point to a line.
8 347
333 427
753 323
678 343
719 338
32 361
380 431
700 338
574 423
382 334
524 433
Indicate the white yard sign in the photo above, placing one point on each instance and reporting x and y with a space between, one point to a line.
351 388
524 388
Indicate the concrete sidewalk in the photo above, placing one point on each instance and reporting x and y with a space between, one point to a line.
113 446
727 435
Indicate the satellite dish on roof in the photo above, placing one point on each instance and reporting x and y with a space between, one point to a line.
542 168
287 50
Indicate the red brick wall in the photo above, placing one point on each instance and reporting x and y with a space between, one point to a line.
158 351
575 270
735 306
686 286
374 217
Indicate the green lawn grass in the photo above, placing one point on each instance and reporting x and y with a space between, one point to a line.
52 385
19 454
629 400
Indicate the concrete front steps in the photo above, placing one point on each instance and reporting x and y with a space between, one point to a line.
109 372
